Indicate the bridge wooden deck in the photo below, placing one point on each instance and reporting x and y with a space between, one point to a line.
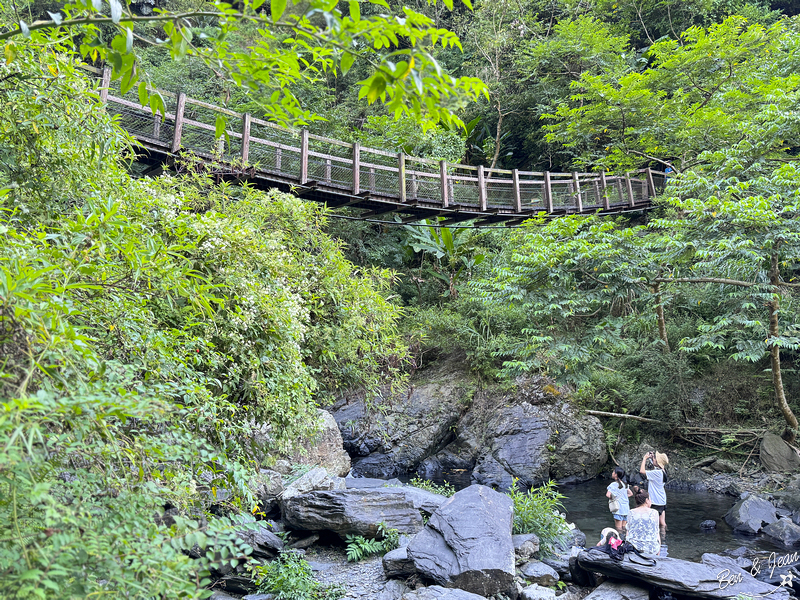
375 181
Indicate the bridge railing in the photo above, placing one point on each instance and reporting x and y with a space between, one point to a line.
356 171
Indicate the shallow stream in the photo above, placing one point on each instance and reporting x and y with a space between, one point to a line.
587 507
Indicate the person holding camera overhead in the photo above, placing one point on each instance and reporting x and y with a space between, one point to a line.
656 478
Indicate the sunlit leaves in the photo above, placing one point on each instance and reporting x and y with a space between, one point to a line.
277 8
732 83
292 47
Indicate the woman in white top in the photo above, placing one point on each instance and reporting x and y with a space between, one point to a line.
619 490
643 529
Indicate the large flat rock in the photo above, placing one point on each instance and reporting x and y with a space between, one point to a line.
681 576
355 512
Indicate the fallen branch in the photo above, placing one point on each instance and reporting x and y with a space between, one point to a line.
600 413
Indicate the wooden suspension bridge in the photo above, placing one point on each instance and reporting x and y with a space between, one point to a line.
375 181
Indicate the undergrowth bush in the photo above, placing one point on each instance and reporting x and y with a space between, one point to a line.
538 511
443 489
359 547
289 577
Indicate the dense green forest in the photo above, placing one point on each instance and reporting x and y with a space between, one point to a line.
147 324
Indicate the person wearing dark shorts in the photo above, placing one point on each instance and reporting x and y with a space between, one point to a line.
655 484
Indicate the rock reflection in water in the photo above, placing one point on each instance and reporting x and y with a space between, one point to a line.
585 506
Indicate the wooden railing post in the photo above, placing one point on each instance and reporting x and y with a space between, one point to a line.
604 183
105 83
443 183
179 108
156 125
629 185
577 183
328 167
278 159
401 175
517 194
304 157
372 179
650 183
620 191
414 186
245 137
548 192
482 188
596 190
356 168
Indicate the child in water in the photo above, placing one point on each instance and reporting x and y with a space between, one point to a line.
619 490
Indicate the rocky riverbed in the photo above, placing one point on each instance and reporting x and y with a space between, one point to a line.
462 548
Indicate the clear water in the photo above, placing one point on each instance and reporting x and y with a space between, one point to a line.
587 507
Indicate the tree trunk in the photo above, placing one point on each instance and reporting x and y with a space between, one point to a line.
775 354
662 323
497 137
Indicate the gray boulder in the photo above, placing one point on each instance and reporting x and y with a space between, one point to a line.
393 590
726 562
783 532
266 545
777 455
421 500
537 592
750 514
353 511
415 425
724 466
267 488
354 483
316 479
325 449
397 563
580 447
436 592
220 596
538 572
708 525
525 545
467 543
613 590
679 576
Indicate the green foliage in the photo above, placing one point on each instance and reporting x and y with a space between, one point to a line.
443 489
731 84
292 45
145 327
289 577
84 474
359 547
538 511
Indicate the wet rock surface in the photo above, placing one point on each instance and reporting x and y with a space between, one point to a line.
783 532
750 514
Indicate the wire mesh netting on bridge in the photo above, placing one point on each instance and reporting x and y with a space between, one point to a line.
357 173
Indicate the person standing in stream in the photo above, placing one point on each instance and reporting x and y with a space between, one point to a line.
618 489
656 478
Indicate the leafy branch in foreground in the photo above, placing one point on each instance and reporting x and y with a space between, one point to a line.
287 47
